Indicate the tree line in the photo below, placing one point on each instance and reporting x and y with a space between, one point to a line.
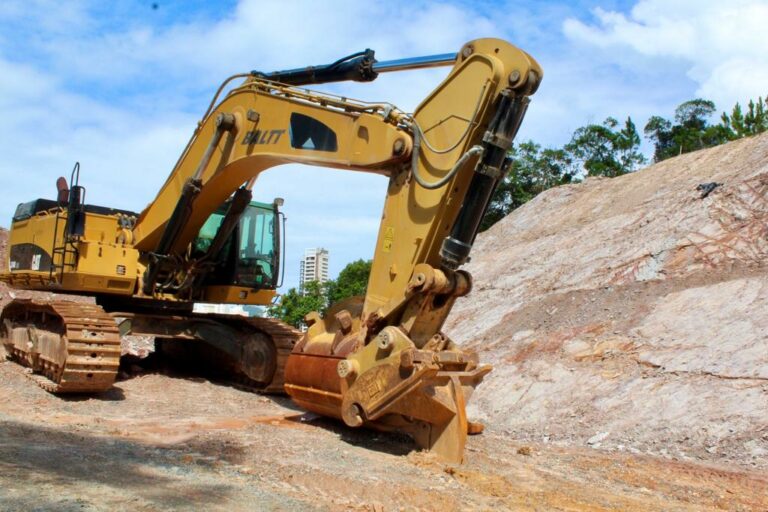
609 149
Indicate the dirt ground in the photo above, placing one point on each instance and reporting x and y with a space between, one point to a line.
165 442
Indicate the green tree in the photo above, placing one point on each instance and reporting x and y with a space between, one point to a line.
693 114
352 280
293 305
659 131
690 132
604 150
693 130
627 144
756 118
531 171
740 124
553 167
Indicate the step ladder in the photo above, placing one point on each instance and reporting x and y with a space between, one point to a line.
65 256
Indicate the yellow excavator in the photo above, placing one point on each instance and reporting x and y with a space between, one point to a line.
378 361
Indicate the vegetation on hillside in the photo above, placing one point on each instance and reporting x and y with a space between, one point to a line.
611 149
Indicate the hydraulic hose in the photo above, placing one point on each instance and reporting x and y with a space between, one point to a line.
418 137
474 150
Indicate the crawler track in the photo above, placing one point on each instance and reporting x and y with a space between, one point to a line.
250 353
284 338
70 347
280 335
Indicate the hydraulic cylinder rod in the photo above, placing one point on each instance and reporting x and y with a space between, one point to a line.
490 170
358 67
429 61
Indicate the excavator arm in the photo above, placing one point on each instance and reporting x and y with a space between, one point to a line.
380 360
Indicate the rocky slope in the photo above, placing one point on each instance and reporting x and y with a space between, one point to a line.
630 313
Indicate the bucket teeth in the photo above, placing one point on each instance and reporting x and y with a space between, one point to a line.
447 439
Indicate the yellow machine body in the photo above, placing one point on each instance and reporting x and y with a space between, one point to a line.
96 263
100 261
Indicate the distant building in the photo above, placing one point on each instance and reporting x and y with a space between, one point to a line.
314 266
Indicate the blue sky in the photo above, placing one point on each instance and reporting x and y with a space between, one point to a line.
119 86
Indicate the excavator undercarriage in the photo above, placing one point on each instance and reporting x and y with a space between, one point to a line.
75 347
248 351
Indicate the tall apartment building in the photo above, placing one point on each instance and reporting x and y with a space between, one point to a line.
314 266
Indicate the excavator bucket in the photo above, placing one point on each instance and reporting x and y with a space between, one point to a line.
390 385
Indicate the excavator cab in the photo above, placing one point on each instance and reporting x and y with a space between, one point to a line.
250 257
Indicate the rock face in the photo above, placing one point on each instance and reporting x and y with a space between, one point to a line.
631 313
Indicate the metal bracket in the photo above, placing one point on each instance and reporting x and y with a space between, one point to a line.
495 139
488 170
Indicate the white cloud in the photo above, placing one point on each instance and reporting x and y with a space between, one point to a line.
262 35
721 45
45 16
